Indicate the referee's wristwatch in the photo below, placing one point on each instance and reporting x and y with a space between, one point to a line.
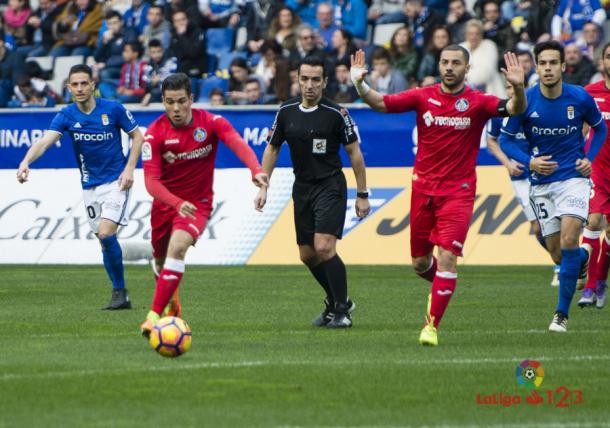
362 195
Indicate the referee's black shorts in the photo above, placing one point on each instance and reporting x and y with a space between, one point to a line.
319 207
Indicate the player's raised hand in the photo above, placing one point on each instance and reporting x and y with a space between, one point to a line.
543 165
514 72
186 209
261 179
126 178
261 199
358 66
584 166
23 172
515 168
363 207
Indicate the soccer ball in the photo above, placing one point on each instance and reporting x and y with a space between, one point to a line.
171 337
529 374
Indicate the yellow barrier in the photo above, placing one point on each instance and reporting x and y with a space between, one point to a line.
499 233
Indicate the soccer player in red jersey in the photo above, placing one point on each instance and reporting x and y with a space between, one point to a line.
450 119
594 292
178 156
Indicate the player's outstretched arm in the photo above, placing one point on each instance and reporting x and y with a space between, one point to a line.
363 206
358 71
515 76
38 149
126 177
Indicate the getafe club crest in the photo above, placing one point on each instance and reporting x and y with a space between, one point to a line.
570 112
199 135
461 105
105 120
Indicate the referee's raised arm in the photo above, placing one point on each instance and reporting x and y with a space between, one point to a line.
358 71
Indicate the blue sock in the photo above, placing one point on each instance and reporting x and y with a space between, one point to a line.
113 261
568 275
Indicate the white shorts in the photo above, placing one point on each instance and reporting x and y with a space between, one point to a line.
561 198
106 201
522 193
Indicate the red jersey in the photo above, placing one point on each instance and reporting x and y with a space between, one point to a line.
179 162
601 164
449 128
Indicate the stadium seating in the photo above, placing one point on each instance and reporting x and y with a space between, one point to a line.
206 85
225 60
383 33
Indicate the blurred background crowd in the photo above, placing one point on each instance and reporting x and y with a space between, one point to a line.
247 51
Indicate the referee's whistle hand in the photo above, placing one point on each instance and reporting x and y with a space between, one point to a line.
363 207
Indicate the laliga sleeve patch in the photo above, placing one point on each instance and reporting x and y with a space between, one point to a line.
146 152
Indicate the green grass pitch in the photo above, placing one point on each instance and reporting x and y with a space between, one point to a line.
257 362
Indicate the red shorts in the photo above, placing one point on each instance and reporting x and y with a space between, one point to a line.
164 220
600 197
440 220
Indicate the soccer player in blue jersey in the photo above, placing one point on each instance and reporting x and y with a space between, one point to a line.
93 126
553 124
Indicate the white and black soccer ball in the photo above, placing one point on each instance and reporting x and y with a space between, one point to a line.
529 374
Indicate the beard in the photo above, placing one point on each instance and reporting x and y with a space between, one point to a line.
550 85
457 81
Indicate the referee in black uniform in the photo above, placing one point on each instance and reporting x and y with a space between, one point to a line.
315 128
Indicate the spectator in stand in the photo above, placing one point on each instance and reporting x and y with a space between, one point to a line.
27 94
496 29
341 89
11 66
156 29
136 16
189 7
109 56
9 40
571 16
428 68
387 12
403 54
259 14
383 78
421 21
456 20
217 97
238 75
283 28
591 41
526 60
132 85
265 67
579 69
254 92
306 44
306 9
16 16
293 72
220 13
483 74
325 25
279 89
514 8
188 46
159 66
40 26
77 27
343 47
354 18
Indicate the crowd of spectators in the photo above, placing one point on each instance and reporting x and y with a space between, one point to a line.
133 45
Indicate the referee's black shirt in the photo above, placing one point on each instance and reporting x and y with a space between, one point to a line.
314 136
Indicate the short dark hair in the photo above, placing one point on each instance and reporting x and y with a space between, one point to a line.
175 82
135 46
313 61
549 45
217 91
458 48
113 14
525 52
80 68
155 43
254 80
157 6
381 53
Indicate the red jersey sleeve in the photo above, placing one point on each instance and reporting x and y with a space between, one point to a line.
152 162
402 101
225 131
490 105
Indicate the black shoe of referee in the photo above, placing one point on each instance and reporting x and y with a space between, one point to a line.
343 315
326 316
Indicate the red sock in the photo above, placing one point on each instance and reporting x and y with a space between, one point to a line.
429 274
443 287
592 238
604 261
167 284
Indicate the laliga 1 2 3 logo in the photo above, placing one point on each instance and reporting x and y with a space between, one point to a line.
530 374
